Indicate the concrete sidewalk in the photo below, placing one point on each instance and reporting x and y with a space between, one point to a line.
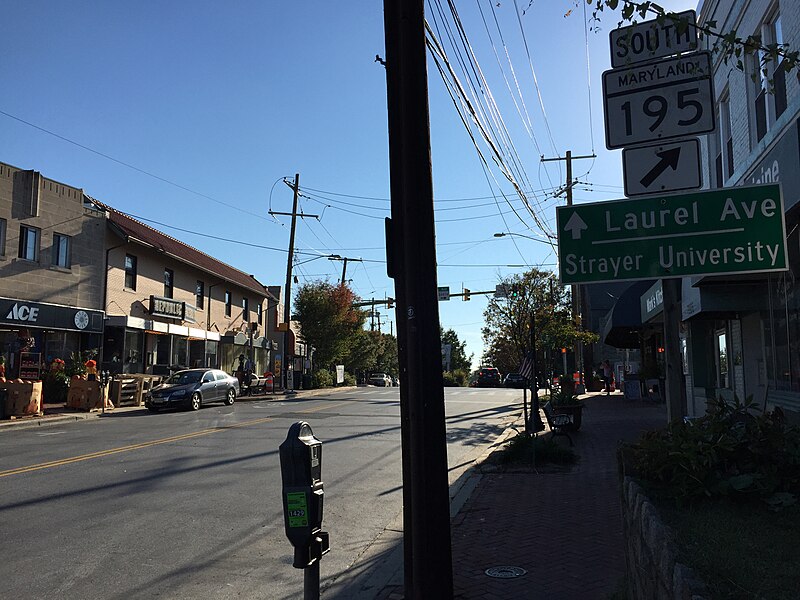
563 528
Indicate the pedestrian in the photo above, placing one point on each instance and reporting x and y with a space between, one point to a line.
608 375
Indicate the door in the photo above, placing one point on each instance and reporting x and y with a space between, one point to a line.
208 387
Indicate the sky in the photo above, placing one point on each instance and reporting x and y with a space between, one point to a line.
192 115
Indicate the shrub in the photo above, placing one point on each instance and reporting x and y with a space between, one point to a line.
457 378
564 398
729 452
349 379
322 379
525 449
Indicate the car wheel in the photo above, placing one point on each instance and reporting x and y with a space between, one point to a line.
230 397
196 401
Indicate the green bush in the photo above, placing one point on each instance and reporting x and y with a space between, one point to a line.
323 379
730 452
349 379
525 449
457 378
564 398
55 386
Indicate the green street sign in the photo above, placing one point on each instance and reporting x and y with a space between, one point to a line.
716 232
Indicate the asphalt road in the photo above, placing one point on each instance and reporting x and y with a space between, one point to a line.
188 504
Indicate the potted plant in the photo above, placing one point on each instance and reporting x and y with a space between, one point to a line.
565 402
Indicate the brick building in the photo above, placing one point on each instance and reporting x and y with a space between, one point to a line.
51 271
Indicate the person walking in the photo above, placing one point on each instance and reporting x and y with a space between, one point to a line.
608 375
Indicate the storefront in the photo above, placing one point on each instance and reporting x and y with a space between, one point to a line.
33 334
259 349
165 342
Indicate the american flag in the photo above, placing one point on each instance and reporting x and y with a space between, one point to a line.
526 367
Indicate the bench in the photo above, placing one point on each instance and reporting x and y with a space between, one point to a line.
558 423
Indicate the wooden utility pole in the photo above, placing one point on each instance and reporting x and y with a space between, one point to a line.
576 292
411 262
344 260
288 288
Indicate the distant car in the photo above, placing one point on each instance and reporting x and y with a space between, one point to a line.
515 380
380 379
192 388
489 377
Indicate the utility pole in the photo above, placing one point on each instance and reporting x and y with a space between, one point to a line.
288 288
344 260
576 291
372 315
411 262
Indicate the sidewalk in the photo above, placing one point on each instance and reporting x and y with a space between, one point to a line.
563 528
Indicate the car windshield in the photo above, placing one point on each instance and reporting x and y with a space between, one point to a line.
185 378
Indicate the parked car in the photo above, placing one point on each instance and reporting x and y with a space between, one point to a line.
515 380
489 377
192 388
380 379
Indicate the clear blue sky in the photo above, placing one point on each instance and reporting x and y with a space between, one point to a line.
224 100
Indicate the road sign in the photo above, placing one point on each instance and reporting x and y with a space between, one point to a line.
717 232
654 39
444 293
500 291
658 101
660 168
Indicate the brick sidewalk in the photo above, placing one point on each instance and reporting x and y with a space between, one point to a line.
564 529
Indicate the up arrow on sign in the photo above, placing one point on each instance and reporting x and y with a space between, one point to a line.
575 225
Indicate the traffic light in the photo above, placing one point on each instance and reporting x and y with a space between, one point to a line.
513 291
466 294
389 302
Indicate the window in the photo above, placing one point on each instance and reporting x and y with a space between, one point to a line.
130 272
29 243
3 227
61 250
769 80
245 310
725 142
169 278
199 294
721 339
227 303
258 313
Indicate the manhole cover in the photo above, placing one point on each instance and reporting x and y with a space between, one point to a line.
505 572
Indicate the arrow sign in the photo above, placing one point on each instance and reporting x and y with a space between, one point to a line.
662 168
575 225
669 159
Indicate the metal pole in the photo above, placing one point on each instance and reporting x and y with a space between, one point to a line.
411 262
311 582
675 391
288 288
536 417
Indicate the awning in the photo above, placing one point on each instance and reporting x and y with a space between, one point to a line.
624 321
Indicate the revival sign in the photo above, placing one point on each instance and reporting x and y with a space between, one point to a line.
731 230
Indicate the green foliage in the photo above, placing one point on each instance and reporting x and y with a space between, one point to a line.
328 320
75 365
55 386
457 378
458 350
730 452
349 379
373 352
564 398
525 449
323 379
507 335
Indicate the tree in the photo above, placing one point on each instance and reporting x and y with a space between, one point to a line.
328 321
729 45
506 334
373 352
458 351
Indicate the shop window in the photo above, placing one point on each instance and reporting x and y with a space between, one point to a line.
245 310
722 358
169 287
180 352
130 272
61 250
29 243
3 227
132 353
199 294
258 313
212 347
227 303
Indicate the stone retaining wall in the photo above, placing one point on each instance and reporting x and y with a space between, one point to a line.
653 571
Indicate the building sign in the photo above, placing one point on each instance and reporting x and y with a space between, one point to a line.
172 309
717 232
652 302
780 165
37 314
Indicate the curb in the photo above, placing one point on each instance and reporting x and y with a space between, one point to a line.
46 421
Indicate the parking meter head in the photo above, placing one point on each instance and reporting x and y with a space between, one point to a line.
301 456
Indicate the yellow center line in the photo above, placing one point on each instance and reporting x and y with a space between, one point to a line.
176 438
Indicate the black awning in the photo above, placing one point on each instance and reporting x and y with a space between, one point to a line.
624 321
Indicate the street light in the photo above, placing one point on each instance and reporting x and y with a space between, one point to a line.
505 233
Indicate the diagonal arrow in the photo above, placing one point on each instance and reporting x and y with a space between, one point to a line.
669 159
575 225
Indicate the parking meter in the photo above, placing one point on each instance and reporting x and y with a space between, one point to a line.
301 472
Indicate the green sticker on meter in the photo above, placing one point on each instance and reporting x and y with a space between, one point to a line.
297 509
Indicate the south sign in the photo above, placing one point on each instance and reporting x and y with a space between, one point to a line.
731 230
